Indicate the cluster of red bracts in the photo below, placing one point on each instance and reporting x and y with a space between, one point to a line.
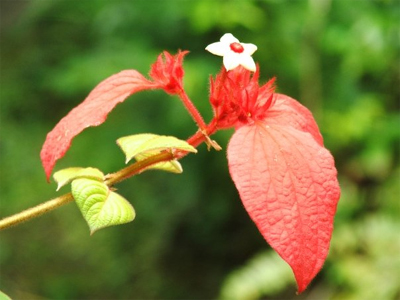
237 99
167 72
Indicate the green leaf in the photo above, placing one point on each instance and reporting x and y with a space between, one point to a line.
171 166
65 176
138 144
4 296
99 206
133 142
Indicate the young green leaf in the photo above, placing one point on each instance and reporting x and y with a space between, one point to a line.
133 142
143 146
65 176
4 296
135 145
172 166
99 206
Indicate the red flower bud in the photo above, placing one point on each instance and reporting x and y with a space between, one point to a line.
168 73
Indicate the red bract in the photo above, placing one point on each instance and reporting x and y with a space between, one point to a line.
285 177
92 111
168 73
235 97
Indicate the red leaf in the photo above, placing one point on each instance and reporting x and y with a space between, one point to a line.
287 183
92 111
287 111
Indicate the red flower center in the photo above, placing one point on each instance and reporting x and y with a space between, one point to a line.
236 47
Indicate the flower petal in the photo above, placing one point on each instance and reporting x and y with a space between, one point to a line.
249 48
231 60
218 48
228 39
247 62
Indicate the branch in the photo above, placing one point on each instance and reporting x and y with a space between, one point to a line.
111 179
35 211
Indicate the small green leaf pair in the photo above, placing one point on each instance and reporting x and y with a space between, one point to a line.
100 206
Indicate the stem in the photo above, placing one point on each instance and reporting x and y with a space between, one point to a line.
204 136
36 211
112 179
199 137
137 167
192 110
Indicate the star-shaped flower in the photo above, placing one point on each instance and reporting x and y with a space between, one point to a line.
234 52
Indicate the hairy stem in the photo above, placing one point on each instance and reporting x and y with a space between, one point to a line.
192 110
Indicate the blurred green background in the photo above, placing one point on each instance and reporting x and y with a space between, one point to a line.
191 238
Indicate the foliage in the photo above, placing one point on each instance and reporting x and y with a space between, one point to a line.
339 58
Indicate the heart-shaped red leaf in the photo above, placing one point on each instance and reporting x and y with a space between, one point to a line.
287 182
92 111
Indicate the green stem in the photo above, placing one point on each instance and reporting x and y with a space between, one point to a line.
137 168
35 211
112 179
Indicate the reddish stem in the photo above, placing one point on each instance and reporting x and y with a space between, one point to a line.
192 110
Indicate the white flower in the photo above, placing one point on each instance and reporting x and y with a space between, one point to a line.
234 52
